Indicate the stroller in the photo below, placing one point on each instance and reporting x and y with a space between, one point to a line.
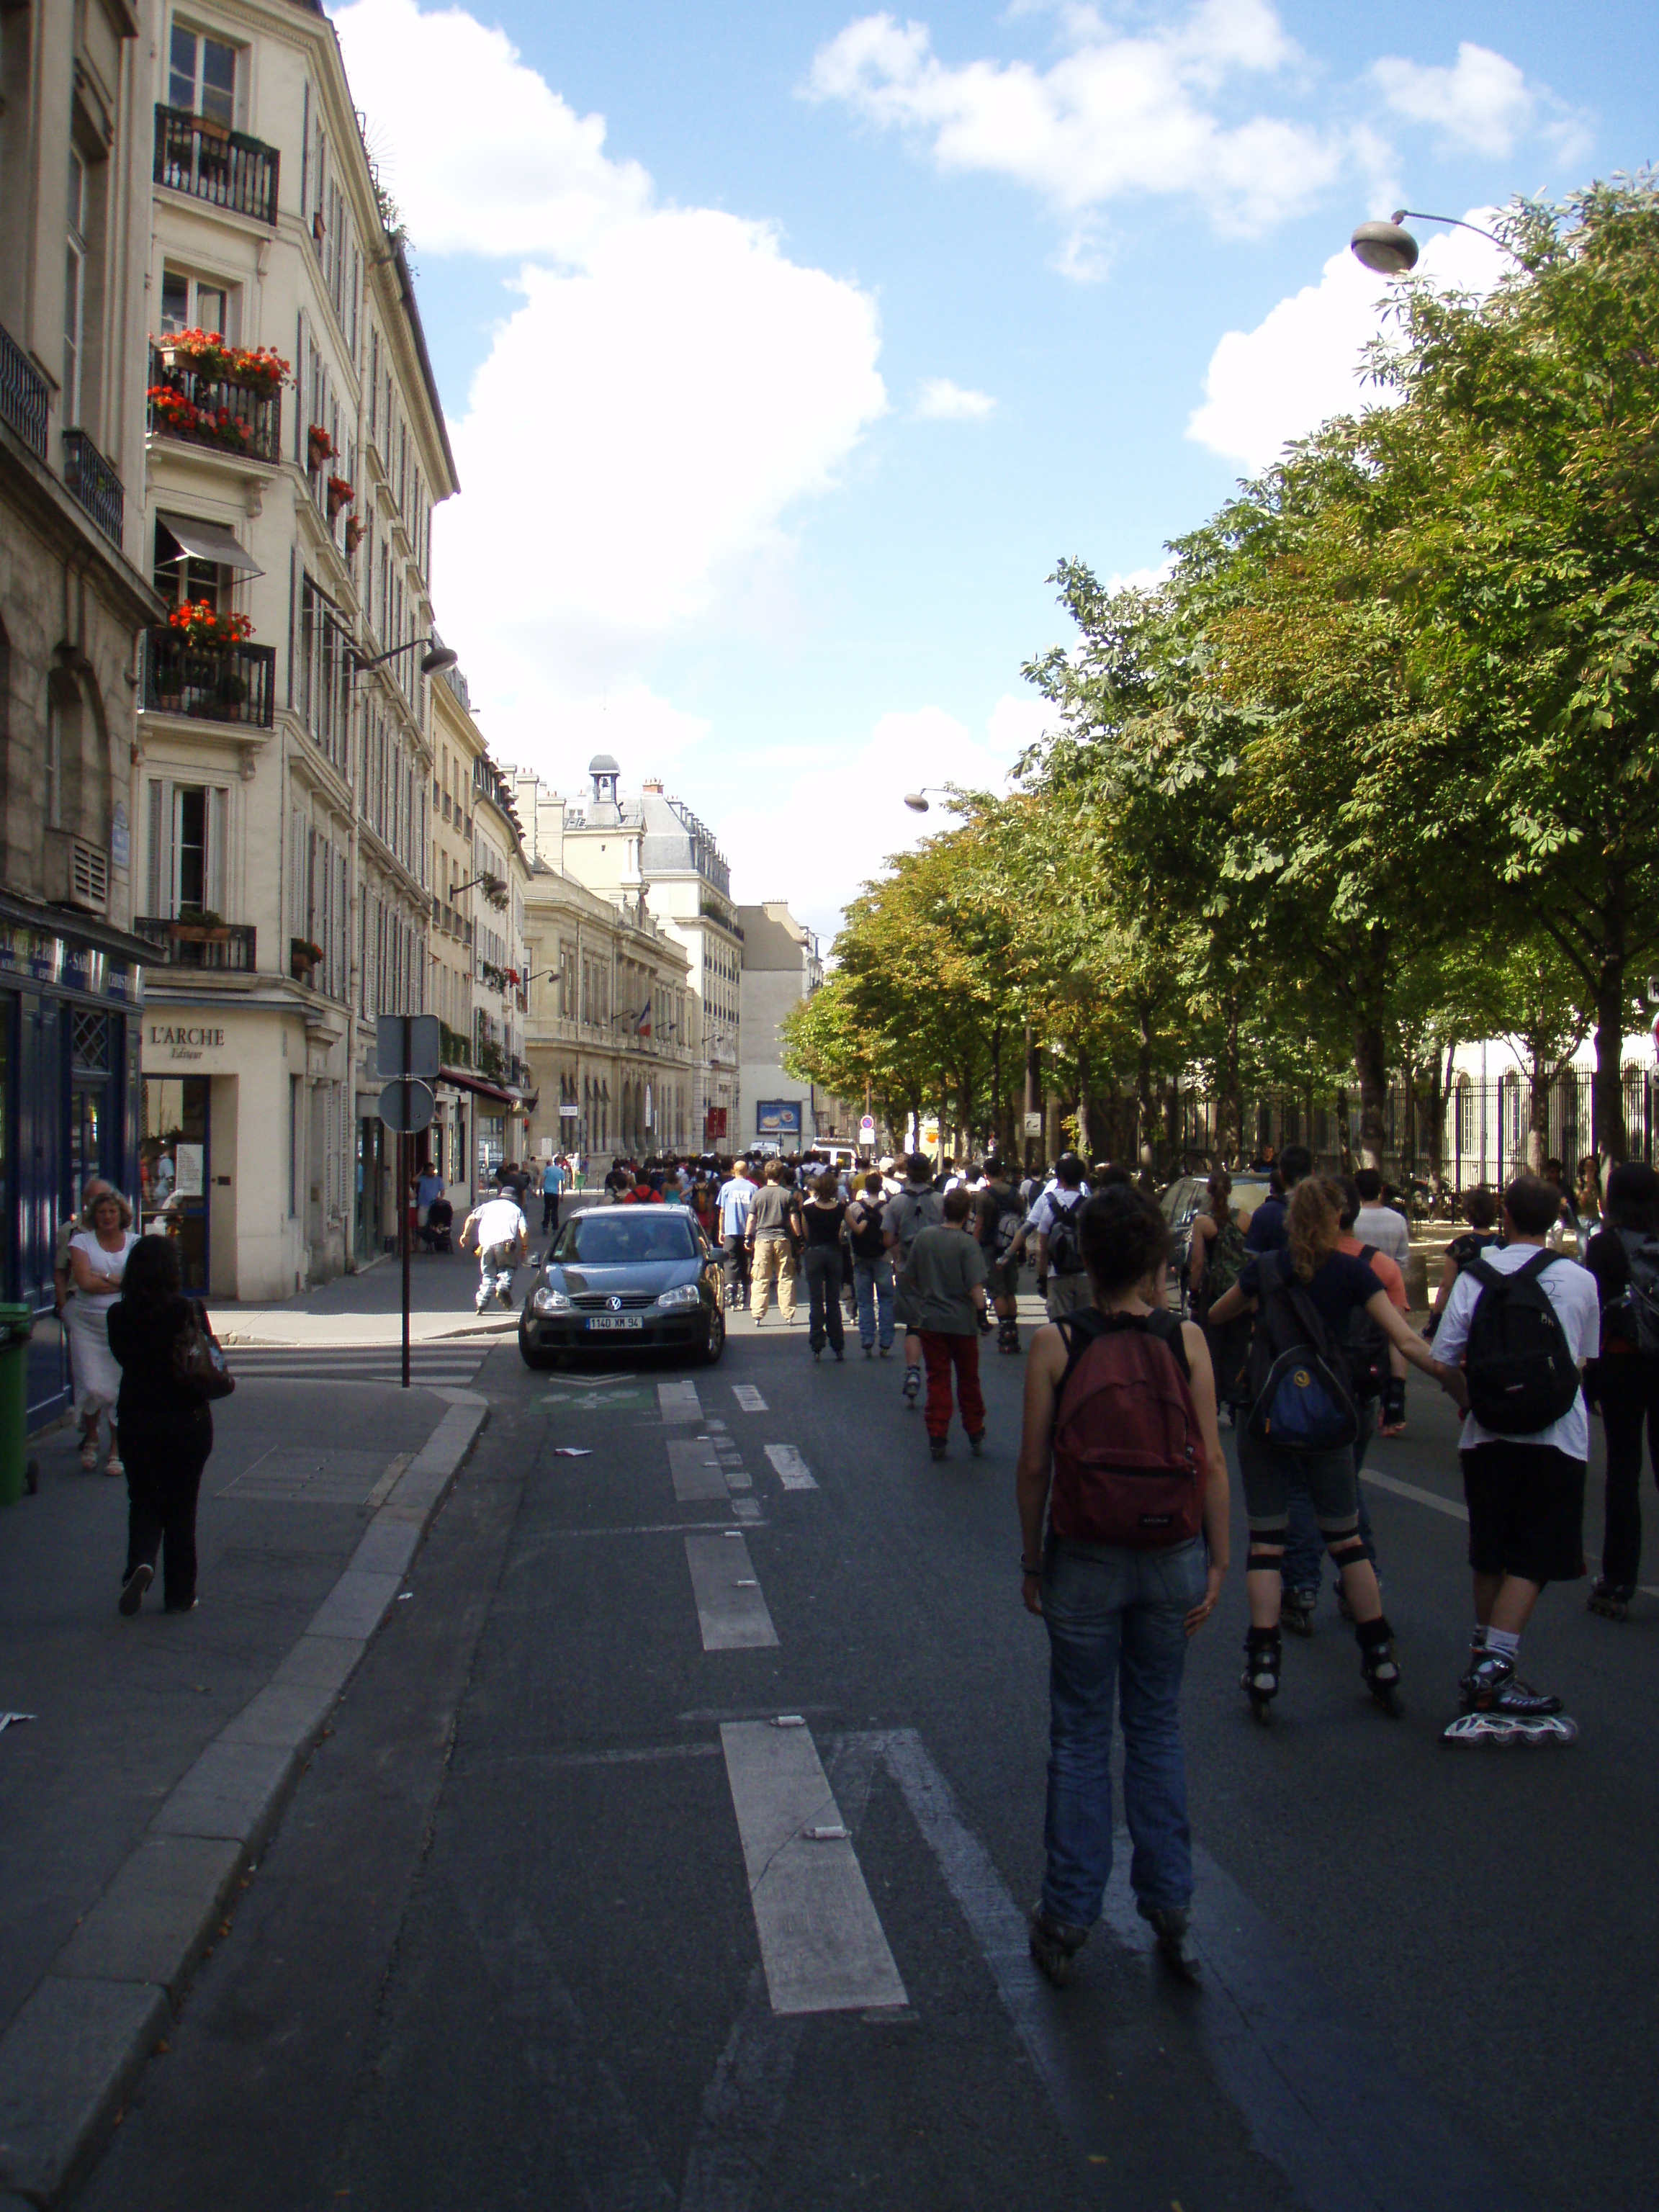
435 1231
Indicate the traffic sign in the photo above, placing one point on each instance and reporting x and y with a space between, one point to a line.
406 1106
1033 1125
408 1044
867 1128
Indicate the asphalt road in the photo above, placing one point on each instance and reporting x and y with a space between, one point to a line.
503 1951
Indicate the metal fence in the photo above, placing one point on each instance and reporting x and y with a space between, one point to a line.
1488 1129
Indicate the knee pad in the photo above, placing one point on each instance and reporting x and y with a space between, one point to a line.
1259 1560
1347 1551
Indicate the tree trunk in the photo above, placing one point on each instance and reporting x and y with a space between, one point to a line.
1538 1116
1612 1138
1344 1142
1033 1096
1146 1111
1230 1133
1370 1060
1084 1137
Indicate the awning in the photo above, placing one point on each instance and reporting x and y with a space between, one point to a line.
209 541
463 1079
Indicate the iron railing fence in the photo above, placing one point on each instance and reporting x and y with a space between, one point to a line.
24 402
93 482
196 155
209 683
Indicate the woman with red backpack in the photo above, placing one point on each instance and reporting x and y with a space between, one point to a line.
1121 1459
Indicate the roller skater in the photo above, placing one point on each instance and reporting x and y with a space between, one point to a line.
1524 1320
917 1206
1611 1599
998 1219
1302 1427
1622 1384
1297 1610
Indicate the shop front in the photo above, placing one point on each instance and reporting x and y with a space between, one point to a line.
70 992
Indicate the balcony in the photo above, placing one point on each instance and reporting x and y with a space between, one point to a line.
456 1049
209 683
196 155
241 419
227 947
23 399
89 476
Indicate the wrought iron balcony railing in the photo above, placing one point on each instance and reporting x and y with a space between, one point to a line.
229 946
196 155
203 410
209 683
23 399
94 483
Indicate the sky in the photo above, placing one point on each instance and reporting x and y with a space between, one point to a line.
786 348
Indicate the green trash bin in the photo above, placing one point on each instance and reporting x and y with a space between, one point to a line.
16 1467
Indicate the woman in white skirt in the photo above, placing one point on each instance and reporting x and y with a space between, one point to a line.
98 1257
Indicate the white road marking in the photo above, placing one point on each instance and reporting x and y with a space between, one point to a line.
695 1477
732 1610
749 1399
678 1401
1453 1509
821 1939
794 1472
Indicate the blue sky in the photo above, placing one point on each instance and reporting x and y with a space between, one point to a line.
784 348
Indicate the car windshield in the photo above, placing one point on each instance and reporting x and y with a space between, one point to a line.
608 1239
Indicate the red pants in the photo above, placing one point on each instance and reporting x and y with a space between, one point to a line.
941 1353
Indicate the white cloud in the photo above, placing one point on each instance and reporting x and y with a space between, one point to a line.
667 389
1119 114
941 401
1483 100
1301 362
1141 580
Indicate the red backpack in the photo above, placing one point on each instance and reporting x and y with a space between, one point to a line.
1129 1456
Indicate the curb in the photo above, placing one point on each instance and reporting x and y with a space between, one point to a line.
74 2051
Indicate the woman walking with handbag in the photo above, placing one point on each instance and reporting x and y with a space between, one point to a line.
98 1253
170 1368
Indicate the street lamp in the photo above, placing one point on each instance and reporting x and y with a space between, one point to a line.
1392 252
436 657
917 800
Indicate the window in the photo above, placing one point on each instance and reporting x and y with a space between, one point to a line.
186 861
202 75
54 765
178 576
190 303
74 291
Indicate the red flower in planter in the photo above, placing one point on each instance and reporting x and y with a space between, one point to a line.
198 622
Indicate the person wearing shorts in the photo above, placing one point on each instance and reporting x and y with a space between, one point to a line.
1525 1494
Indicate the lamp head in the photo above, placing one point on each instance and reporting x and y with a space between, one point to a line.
1385 248
915 802
440 657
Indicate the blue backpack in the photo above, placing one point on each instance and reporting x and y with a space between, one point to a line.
1297 1390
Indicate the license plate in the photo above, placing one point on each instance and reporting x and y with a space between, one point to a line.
615 1321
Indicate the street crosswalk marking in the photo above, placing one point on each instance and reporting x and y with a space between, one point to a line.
792 1470
732 1610
695 1474
822 1942
679 1401
444 1363
749 1399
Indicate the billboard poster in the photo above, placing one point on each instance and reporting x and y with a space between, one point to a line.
778 1118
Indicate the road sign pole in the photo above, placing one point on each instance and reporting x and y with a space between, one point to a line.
402 1235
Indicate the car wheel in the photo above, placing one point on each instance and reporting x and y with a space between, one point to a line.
716 1344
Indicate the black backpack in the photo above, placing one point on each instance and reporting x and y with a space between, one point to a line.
1295 1388
1009 1214
1638 1304
1520 1369
866 1242
1065 1247
1364 1347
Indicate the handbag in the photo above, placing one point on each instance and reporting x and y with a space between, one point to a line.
198 1360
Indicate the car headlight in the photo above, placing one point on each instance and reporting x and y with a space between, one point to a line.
687 1294
548 1300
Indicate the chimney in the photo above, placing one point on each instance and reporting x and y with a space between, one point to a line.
653 786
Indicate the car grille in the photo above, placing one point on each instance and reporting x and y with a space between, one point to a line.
596 1301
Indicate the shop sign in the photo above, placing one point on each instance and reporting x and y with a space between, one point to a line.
185 1040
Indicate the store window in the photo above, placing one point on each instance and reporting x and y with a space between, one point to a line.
202 75
173 1169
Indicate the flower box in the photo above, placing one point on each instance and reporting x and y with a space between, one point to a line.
319 446
340 494
199 623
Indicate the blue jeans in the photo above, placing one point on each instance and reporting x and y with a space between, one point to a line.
872 1281
1114 1619
1304 1547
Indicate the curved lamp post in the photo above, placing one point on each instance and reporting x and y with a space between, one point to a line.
917 800
435 659
1392 252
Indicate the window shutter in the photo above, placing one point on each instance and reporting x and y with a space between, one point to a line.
159 858
218 822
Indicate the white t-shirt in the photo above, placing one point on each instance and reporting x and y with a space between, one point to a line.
498 1221
1571 1290
85 1242
1055 1200
1381 1226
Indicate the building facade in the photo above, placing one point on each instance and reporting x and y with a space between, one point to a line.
781 965
654 851
75 159
296 448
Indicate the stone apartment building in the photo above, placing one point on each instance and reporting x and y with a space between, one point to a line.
75 159
611 1020
655 852
281 835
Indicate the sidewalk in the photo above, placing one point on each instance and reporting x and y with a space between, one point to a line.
163 1747
367 1308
